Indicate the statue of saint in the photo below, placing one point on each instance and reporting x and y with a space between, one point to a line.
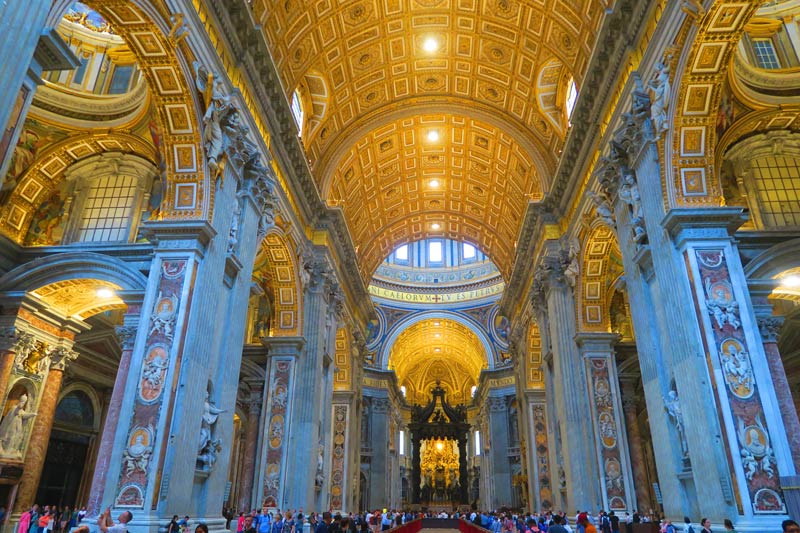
12 429
673 406
208 447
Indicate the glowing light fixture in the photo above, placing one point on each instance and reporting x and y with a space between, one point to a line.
430 45
434 183
435 323
433 136
439 445
104 293
791 282
437 350
435 226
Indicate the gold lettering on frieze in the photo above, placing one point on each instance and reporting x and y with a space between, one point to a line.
440 298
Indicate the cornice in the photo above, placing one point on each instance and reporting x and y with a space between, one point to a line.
248 45
619 33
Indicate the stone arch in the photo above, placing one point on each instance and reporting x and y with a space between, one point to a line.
599 271
276 261
90 393
46 174
165 63
73 265
402 325
695 101
774 261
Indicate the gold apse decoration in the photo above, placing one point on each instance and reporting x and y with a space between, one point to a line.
438 458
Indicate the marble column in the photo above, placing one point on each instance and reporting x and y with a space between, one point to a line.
669 340
754 438
42 426
572 410
341 465
610 436
498 452
127 337
21 25
304 430
273 477
379 464
246 496
630 407
769 328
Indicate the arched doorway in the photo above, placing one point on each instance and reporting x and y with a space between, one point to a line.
74 433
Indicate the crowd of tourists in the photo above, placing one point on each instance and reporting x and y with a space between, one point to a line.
264 521
52 519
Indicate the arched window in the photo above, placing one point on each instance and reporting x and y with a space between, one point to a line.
572 99
110 191
297 111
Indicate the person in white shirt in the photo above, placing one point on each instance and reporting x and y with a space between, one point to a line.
106 524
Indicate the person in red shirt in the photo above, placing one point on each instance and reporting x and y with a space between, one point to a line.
583 519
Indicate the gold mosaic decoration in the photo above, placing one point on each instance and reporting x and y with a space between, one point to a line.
342 377
47 172
594 297
276 262
187 194
535 376
695 109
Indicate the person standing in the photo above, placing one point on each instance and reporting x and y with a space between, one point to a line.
107 525
248 525
706 524
614 519
25 520
557 527
583 521
324 524
729 526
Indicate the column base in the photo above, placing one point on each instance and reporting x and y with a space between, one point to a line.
153 524
761 524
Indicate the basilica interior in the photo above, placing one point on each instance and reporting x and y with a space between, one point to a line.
358 254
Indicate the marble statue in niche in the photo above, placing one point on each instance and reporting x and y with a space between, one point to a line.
604 210
673 406
319 476
573 261
208 446
13 428
659 107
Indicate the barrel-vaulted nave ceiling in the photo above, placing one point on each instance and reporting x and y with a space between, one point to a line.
430 118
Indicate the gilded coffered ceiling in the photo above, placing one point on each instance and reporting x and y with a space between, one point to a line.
437 350
392 70
80 298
